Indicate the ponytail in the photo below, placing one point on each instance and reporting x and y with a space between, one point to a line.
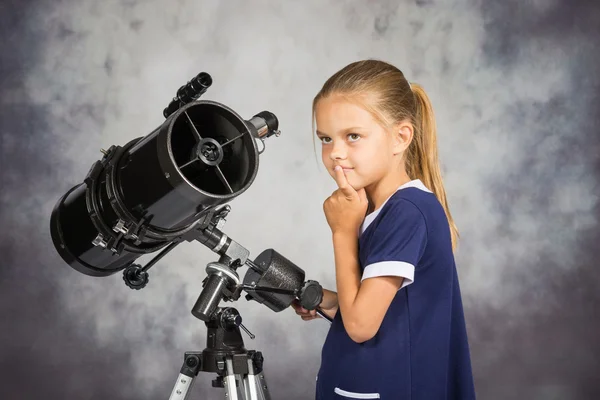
422 155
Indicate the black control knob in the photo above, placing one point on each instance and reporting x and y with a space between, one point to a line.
311 295
135 277
258 360
230 318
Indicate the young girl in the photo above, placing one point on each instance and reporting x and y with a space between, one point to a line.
398 329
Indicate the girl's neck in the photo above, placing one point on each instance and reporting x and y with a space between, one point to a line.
379 192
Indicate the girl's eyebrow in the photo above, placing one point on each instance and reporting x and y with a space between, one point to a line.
342 132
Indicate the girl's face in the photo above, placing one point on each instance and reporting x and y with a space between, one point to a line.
352 138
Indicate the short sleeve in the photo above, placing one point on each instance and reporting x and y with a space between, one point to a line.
397 244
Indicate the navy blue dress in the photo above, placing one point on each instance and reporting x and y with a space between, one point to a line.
421 350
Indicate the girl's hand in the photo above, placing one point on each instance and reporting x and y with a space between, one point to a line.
305 314
345 209
328 306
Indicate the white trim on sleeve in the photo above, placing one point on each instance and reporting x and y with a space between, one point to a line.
391 268
354 395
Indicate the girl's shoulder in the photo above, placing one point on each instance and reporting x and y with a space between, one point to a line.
402 214
411 209
411 204
412 201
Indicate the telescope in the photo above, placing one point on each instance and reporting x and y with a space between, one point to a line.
172 186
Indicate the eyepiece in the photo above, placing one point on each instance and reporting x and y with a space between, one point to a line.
189 92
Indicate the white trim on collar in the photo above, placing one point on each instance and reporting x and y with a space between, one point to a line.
416 183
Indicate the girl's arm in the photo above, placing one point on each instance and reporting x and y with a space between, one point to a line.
329 305
363 306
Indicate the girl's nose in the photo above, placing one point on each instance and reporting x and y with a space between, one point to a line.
338 152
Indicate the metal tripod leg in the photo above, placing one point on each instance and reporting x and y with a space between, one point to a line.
231 387
251 386
255 384
189 370
245 386
182 387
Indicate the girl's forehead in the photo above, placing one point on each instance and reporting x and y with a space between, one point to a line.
342 111
340 120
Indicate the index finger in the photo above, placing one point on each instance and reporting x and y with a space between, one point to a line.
342 182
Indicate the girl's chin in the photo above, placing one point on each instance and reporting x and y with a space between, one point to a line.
356 184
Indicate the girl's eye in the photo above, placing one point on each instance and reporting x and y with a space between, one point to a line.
353 138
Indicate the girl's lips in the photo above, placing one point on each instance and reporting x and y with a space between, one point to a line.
345 169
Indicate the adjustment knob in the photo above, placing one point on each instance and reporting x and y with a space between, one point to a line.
218 382
258 360
311 295
230 318
135 277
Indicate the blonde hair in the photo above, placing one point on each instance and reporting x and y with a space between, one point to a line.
390 98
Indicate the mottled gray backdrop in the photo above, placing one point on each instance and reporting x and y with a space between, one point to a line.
516 88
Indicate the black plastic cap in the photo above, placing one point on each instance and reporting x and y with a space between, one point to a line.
270 119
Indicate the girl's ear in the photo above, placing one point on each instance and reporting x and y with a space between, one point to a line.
403 135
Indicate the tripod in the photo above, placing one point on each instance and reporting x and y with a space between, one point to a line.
271 280
240 371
